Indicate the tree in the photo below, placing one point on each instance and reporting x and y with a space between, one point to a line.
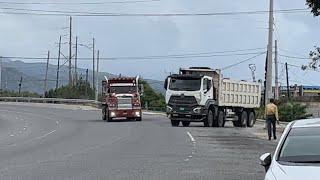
291 111
80 91
150 97
314 5
314 57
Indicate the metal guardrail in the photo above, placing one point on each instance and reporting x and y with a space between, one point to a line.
66 101
51 100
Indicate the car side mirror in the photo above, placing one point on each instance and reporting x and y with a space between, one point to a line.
265 160
165 85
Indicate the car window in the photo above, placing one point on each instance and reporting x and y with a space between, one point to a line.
302 145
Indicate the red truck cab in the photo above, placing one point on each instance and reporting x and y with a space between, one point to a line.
121 99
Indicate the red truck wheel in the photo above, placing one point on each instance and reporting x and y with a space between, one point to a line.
104 113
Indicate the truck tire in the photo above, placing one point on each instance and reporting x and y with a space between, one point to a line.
236 123
251 119
175 123
185 123
104 113
209 121
221 119
139 119
243 119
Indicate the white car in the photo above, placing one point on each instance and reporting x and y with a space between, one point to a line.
298 153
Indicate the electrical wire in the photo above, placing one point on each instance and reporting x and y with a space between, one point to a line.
243 61
106 14
293 57
76 3
177 56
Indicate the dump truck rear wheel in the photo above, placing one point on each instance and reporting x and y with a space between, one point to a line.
251 119
221 119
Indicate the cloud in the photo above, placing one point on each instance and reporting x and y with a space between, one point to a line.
145 36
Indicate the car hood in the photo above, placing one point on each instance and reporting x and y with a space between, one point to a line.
282 172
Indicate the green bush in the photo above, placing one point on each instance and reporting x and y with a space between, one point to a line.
291 111
288 111
81 91
150 97
7 93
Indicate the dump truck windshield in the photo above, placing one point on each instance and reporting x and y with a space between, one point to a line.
177 84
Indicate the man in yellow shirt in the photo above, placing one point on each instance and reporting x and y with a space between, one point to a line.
272 117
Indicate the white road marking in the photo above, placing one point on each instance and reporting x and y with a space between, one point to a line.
45 135
191 137
11 135
153 113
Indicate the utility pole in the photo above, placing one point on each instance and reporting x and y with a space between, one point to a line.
1 74
46 77
58 67
87 72
20 84
253 68
269 64
70 51
93 63
276 88
76 63
288 87
97 75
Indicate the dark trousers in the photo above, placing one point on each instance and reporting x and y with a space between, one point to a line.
271 125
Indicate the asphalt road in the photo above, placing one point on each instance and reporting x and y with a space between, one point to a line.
67 142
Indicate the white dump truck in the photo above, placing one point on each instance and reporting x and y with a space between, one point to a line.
200 94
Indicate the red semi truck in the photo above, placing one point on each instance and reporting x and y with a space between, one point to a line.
121 98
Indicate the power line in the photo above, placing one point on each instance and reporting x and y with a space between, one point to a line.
77 3
235 64
293 57
297 66
144 57
106 14
288 51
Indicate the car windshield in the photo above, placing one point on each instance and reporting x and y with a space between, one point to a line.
301 146
122 89
185 84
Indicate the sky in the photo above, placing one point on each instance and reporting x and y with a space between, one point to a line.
33 36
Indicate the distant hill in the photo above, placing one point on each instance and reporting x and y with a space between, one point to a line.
33 76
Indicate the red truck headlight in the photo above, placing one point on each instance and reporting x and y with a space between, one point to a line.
112 102
137 114
136 103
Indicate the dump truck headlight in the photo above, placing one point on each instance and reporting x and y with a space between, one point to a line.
197 110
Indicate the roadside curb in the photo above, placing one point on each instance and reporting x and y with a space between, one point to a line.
263 121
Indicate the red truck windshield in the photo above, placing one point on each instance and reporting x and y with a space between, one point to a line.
123 89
